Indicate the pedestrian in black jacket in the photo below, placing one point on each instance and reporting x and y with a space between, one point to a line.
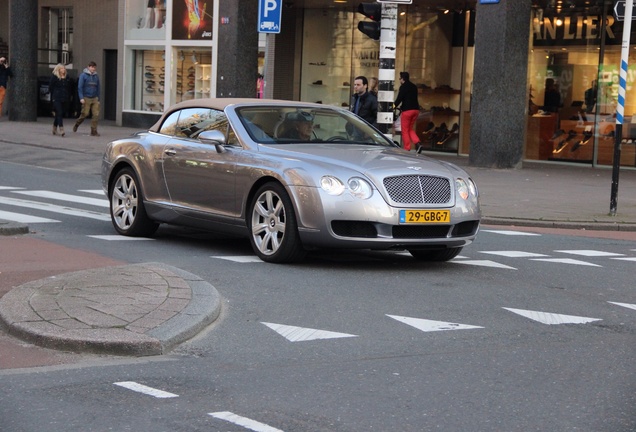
60 91
407 96
363 102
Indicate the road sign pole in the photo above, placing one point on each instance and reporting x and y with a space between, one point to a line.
620 109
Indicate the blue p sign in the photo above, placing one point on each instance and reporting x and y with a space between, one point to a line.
269 12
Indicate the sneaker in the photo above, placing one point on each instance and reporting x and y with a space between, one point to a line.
149 75
75 127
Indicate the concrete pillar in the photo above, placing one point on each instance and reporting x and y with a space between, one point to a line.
23 57
237 66
500 90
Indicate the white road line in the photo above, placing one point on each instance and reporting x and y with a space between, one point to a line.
590 253
301 334
484 263
625 259
552 318
511 233
239 259
243 421
65 197
10 188
24 218
55 208
131 385
515 254
566 261
627 305
117 237
430 325
93 191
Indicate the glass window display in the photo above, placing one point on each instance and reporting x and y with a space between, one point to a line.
148 80
193 73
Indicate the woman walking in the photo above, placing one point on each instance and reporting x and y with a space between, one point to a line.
59 88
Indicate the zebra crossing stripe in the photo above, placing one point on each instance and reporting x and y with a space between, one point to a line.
55 208
65 197
24 218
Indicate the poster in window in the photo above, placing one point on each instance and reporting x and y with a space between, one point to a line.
192 20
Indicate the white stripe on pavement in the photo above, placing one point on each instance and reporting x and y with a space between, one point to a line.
566 261
93 191
24 218
55 208
510 233
131 385
9 188
243 421
117 237
65 197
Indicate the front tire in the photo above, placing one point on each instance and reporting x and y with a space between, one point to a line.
273 227
435 255
127 210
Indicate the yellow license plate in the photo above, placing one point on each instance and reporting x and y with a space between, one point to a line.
424 216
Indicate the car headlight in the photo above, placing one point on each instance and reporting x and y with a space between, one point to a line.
332 185
462 187
473 187
360 188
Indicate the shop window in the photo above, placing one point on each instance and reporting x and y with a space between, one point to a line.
193 74
148 81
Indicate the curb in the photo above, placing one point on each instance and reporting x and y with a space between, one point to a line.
572 225
11 228
18 318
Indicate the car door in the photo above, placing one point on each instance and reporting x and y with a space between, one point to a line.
200 180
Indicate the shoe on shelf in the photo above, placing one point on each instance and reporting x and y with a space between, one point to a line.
557 134
149 75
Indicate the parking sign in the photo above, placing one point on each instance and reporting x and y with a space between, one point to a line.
269 12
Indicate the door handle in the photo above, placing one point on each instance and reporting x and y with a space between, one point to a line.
170 152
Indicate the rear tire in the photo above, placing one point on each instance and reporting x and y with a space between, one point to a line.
273 227
435 255
127 211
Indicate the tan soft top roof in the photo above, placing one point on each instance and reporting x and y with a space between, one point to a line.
219 104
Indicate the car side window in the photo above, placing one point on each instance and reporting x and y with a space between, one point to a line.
169 125
193 121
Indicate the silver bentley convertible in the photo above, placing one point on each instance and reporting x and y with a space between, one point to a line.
292 177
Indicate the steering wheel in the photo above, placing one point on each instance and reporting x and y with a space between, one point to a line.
336 138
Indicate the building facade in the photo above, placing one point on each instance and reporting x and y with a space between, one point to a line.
500 82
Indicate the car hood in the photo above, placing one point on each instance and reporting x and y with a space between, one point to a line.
373 161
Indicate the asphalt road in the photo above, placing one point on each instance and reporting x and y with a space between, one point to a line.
522 332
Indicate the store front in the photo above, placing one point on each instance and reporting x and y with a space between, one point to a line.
168 57
434 44
573 85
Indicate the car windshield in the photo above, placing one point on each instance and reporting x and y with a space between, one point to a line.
287 125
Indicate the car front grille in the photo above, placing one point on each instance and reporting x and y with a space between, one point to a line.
418 189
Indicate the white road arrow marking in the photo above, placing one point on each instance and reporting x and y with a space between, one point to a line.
627 305
131 385
484 263
301 334
431 326
566 261
247 423
511 233
589 253
552 318
515 254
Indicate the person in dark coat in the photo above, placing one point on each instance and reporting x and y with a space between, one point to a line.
60 91
5 74
410 105
363 102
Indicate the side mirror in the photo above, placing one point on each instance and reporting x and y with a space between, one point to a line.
214 137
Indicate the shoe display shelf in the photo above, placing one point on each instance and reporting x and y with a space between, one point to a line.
151 74
202 73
